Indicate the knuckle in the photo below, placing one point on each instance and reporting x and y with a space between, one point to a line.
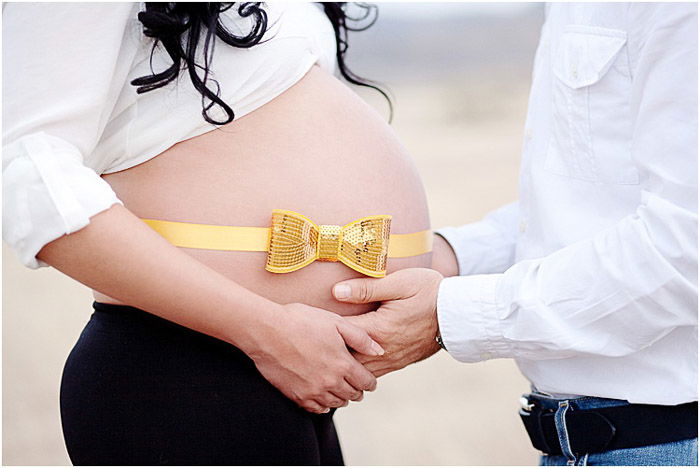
334 381
297 397
328 383
309 405
365 291
346 367
337 403
358 379
338 382
307 392
314 407
371 385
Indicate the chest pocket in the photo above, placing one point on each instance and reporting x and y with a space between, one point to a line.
592 125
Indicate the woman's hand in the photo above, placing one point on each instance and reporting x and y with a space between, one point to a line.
300 349
304 355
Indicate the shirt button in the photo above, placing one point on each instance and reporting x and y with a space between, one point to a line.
523 226
528 134
574 71
485 356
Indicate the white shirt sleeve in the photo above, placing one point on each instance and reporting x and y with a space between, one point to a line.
487 246
63 69
628 286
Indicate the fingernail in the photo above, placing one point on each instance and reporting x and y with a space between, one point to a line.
377 349
327 410
342 291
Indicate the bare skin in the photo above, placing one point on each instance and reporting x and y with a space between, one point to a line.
317 149
299 349
405 323
444 258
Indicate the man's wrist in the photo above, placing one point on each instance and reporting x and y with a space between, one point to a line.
438 340
438 335
468 318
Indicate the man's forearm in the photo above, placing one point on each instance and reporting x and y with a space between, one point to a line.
444 258
611 295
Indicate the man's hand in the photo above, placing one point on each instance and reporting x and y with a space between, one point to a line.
405 324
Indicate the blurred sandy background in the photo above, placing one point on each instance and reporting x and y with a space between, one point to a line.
459 75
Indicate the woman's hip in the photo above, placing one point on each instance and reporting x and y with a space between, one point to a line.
138 389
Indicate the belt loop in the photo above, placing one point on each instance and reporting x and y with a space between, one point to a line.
563 433
531 414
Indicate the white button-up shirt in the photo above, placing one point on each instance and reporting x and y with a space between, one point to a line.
590 280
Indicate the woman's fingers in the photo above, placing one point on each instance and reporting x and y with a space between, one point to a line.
360 378
347 392
318 373
354 394
337 401
358 339
314 406
331 400
341 397
357 378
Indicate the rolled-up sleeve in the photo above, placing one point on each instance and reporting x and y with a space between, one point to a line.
64 66
47 192
486 246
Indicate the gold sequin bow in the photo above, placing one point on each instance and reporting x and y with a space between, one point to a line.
296 241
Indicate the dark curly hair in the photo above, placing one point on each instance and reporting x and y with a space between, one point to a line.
178 26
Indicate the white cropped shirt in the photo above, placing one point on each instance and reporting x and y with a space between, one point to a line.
71 114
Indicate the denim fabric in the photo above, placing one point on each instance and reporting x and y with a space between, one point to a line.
683 452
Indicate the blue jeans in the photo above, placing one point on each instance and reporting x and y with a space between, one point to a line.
682 452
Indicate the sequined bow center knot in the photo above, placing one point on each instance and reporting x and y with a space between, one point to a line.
296 241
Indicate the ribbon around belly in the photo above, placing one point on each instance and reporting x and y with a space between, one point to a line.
296 241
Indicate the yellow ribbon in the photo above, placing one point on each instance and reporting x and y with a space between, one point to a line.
294 241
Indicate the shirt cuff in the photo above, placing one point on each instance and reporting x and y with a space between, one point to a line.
47 192
468 318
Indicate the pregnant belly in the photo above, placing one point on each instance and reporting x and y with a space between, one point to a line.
317 149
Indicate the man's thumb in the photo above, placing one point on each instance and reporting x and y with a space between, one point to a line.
365 290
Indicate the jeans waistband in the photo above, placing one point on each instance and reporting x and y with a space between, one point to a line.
579 403
583 425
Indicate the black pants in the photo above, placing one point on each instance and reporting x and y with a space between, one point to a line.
140 390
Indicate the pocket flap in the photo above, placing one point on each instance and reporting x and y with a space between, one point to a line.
586 53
